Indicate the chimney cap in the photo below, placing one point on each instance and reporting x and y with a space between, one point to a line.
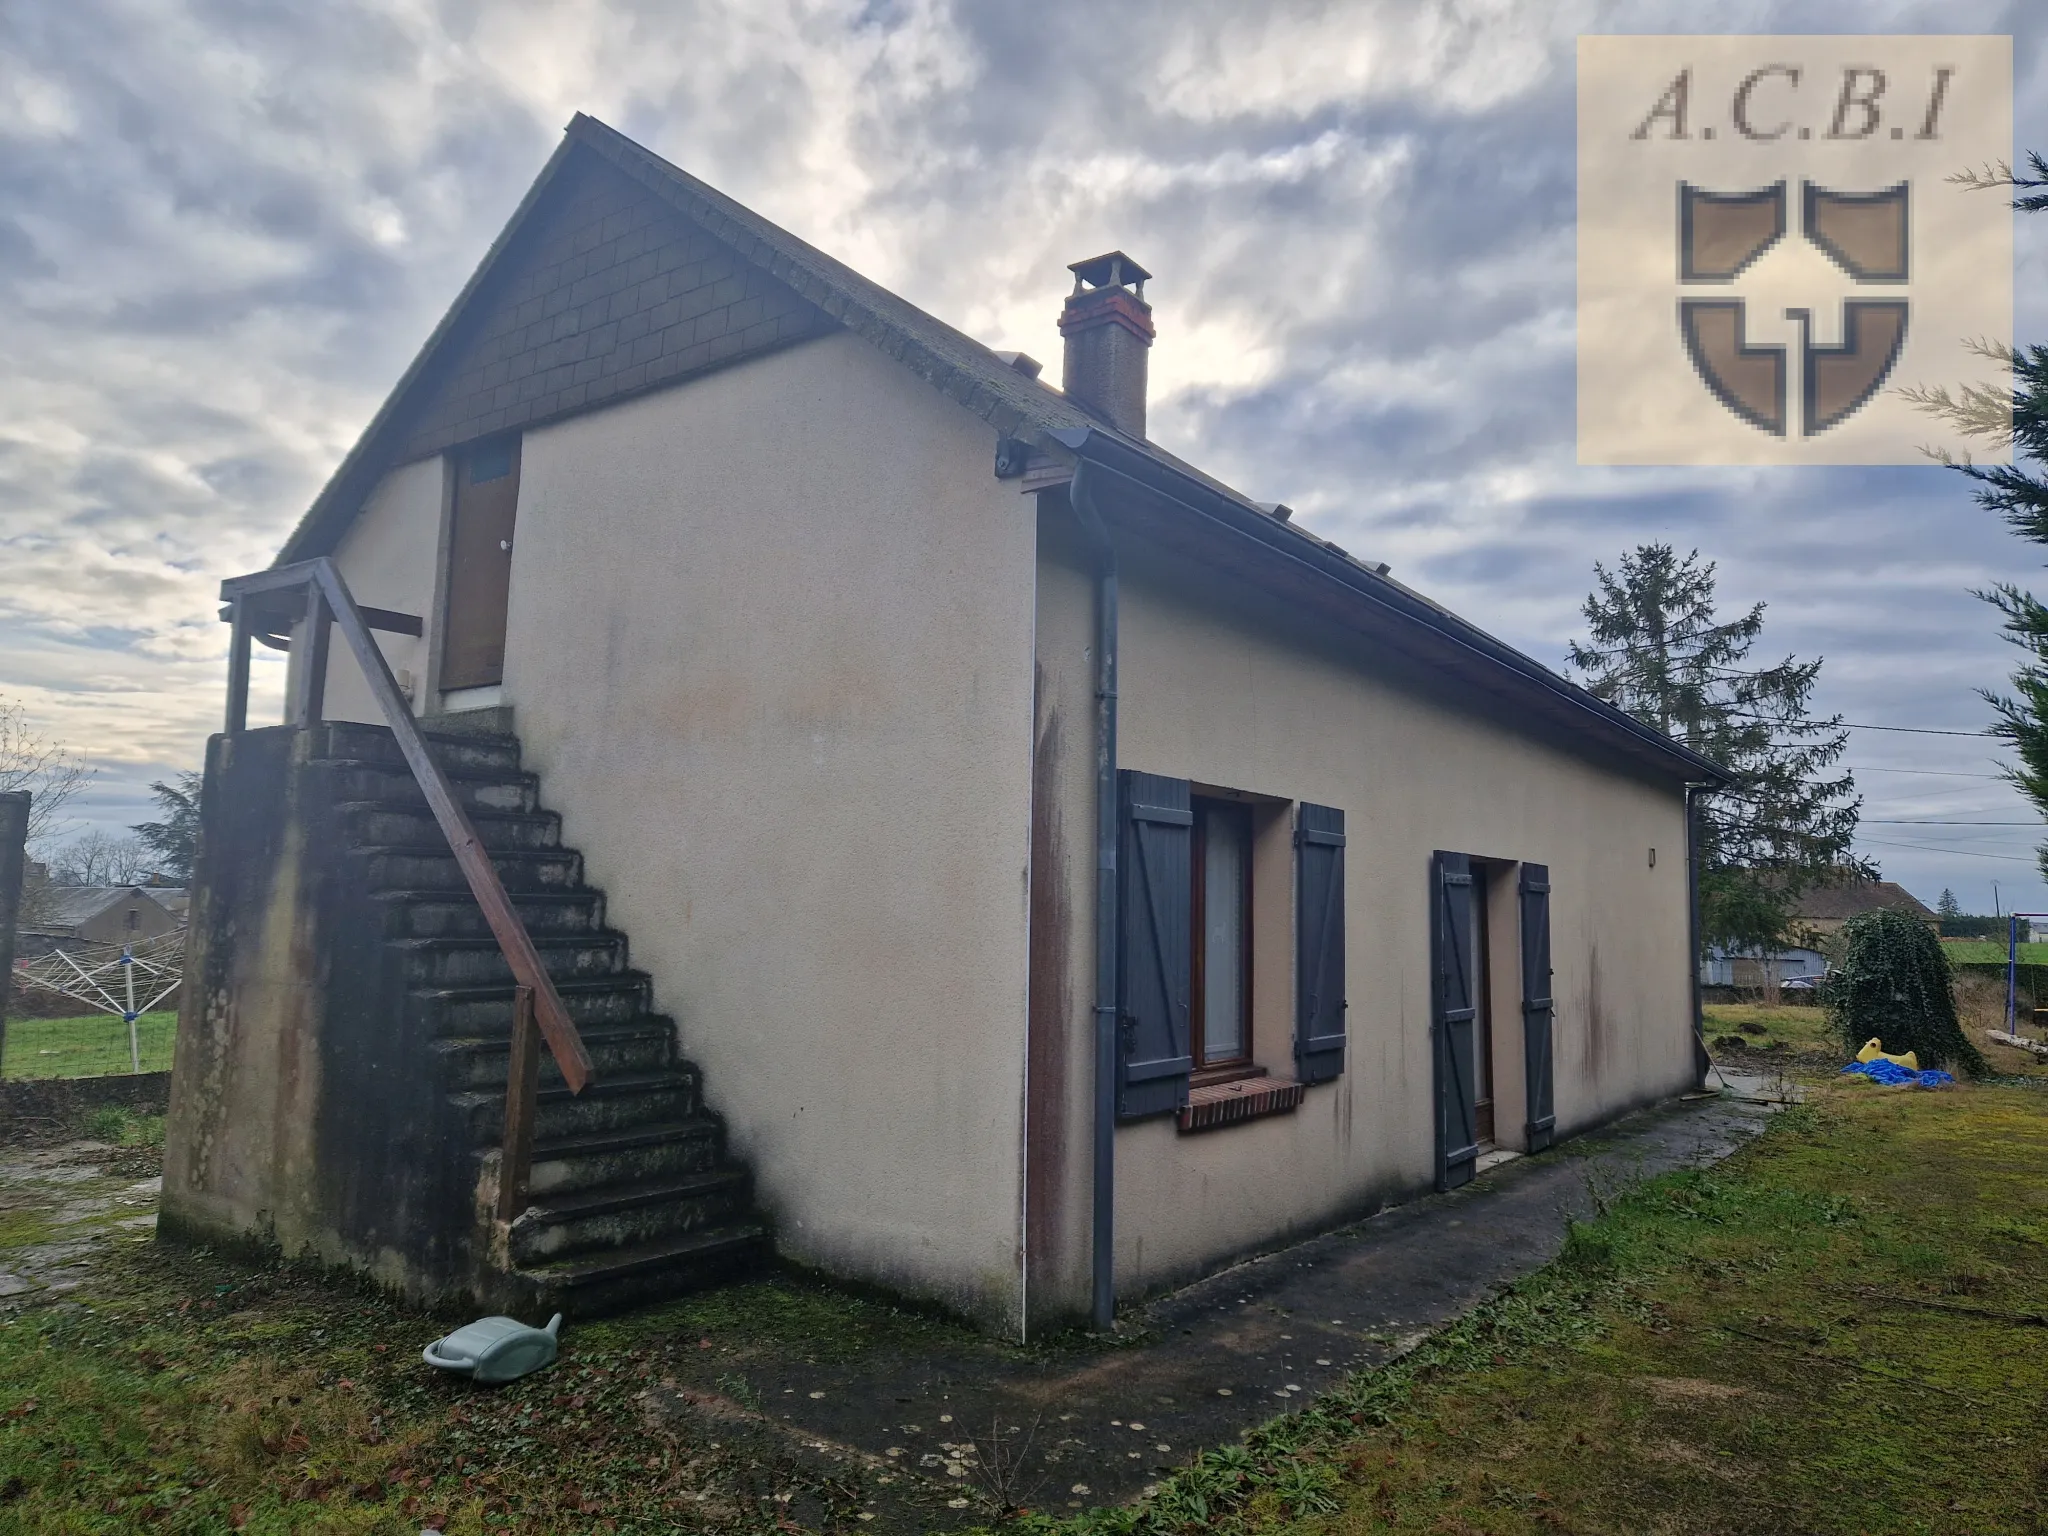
1110 268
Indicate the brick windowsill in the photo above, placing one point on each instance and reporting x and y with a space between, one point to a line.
1247 1098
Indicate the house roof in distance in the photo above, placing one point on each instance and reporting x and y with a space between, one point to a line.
73 906
1837 903
1015 404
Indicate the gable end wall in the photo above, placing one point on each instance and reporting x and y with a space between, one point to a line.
612 293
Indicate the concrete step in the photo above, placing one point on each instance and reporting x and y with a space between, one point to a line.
430 963
373 824
628 1215
432 867
621 1103
452 915
648 1272
344 739
645 1046
506 791
642 1154
485 1012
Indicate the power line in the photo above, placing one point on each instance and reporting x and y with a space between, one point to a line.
1911 730
1932 773
1913 821
1964 853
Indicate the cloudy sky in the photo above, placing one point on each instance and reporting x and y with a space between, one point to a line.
226 225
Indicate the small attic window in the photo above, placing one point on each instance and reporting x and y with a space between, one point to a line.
490 461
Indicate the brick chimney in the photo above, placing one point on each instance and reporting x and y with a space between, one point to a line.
1108 327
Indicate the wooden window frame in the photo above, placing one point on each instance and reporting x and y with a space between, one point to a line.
1240 1065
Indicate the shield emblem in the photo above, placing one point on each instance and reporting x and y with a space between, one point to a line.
1721 235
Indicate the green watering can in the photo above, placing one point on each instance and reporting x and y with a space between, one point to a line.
494 1349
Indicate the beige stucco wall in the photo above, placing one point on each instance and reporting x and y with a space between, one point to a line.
1229 695
770 651
390 558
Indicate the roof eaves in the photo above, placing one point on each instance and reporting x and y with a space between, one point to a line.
1369 582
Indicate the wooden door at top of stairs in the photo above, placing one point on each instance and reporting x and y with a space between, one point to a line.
480 564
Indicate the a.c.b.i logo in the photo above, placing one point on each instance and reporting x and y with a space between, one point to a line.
1721 234
1771 238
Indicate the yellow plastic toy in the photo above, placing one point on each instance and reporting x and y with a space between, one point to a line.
1873 1050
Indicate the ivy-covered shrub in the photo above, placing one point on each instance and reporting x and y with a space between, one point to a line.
1894 982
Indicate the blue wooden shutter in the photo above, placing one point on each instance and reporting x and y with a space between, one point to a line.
1455 1024
1319 944
1155 924
1538 1011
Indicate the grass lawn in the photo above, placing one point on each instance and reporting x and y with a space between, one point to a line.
1837 1330
93 1046
1797 1030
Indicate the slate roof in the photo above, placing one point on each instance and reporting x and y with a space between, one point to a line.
1014 405
1835 903
73 906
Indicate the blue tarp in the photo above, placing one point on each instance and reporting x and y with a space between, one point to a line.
1891 1074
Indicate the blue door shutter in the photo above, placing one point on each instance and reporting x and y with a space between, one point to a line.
1155 926
1319 944
1455 1022
1538 1011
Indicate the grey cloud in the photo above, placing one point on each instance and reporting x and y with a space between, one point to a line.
240 220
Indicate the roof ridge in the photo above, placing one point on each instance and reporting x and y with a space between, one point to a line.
964 370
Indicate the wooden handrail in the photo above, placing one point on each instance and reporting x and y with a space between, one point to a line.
325 590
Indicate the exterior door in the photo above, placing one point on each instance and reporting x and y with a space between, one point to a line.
1482 1034
480 565
1454 1018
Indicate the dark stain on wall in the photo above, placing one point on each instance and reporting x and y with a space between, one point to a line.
1599 1029
1050 1022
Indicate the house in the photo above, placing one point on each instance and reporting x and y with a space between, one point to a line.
1049 874
104 914
1819 913
1817 916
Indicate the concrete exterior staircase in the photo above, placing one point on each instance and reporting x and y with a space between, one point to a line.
633 1196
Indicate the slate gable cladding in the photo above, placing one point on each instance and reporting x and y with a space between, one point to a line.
611 294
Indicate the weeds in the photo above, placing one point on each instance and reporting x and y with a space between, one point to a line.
999 1460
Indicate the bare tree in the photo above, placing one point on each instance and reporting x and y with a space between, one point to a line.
31 761
98 858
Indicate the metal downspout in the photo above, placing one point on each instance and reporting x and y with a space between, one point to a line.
1103 1288
1701 1061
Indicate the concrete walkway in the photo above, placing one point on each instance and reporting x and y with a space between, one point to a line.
1232 1351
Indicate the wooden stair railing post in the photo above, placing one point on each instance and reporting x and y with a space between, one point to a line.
522 1099
324 588
313 673
238 668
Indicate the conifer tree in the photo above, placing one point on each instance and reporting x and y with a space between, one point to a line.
175 839
2017 417
1658 649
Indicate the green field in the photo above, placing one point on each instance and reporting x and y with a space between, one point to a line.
94 1046
1990 952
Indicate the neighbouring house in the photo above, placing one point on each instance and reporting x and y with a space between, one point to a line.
102 914
1817 917
1048 871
